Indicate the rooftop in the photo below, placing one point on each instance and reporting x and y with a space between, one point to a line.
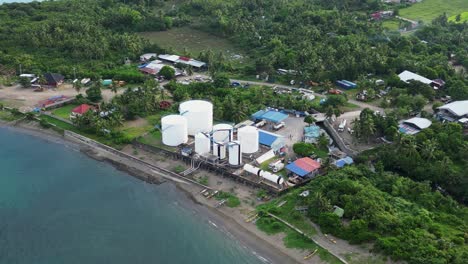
270 115
303 166
406 76
457 108
81 109
419 122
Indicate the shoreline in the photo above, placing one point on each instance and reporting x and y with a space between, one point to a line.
265 251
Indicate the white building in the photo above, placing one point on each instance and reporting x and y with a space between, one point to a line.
454 111
148 56
406 76
414 125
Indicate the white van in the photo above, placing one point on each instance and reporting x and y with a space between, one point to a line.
342 126
278 126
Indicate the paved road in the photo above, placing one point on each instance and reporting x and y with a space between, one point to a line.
361 105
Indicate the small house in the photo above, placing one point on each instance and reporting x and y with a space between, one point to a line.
148 56
453 111
304 167
340 163
80 110
54 79
414 125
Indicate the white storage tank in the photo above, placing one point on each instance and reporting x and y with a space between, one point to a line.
235 154
223 133
248 137
174 130
264 174
199 116
202 143
219 150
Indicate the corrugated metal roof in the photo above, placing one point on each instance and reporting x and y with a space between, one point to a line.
458 108
303 166
419 122
272 116
407 76
265 138
308 164
296 170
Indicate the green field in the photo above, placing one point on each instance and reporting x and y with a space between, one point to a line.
391 24
463 17
64 111
193 40
427 10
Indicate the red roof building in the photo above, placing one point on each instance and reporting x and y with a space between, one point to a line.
81 109
304 167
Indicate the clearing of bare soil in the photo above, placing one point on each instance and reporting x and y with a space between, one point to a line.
17 96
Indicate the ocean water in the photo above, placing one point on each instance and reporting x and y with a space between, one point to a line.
59 206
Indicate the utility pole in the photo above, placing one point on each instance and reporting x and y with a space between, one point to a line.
74 73
21 69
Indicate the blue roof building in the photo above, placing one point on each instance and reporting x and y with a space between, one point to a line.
271 140
270 115
343 162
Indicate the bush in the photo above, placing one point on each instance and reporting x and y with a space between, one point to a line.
178 169
167 72
94 94
330 223
303 149
232 200
43 123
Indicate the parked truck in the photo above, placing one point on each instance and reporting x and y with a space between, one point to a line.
342 126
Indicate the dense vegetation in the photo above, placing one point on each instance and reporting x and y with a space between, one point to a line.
324 40
405 219
237 104
437 154
91 36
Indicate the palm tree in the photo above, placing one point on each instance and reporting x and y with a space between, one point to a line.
309 120
77 85
428 149
329 111
113 88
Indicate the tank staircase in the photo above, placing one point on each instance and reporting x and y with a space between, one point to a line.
193 167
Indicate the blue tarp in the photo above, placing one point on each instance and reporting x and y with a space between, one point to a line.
270 115
340 163
344 161
348 160
266 138
312 131
296 170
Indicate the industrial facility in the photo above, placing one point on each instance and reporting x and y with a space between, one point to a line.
252 151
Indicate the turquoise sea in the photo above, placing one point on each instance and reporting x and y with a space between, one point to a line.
58 206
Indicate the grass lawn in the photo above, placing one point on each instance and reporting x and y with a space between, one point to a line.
154 138
427 10
463 17
191 39
60 125
64 111
391 24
